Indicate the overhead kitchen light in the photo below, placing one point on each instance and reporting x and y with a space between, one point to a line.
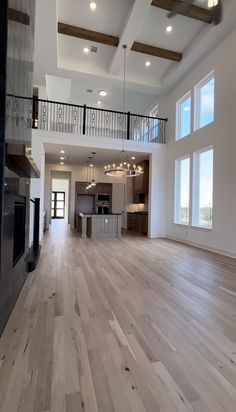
123 165
103 93
92 5
61 158
169 29
212 3
86 50
148 64
99 102
62 151
61 163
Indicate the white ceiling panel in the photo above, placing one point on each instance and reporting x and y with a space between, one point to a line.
154 30
108 18
72 57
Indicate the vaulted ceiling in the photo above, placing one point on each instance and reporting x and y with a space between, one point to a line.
65 27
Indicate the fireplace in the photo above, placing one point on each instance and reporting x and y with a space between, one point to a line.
19 231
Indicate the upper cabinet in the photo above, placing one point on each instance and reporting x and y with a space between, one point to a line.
100 188
141 182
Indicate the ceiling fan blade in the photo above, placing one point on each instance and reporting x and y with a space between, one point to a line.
217 12
180 8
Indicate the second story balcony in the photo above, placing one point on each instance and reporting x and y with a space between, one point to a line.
84 120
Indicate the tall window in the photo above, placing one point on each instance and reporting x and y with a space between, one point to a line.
182 181
183 116
203 188
204 101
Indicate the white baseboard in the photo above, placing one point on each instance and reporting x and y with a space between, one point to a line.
157 236
228 253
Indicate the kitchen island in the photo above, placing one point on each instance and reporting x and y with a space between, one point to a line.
100 226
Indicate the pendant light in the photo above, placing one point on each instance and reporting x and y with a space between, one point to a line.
123 165
91 182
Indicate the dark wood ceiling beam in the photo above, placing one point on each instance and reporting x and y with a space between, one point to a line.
156 51
88 34
18 16
194 12
102 38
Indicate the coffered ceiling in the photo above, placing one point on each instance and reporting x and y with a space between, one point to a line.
136 23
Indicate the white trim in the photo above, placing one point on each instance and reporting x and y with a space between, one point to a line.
178 134
177 189
213 249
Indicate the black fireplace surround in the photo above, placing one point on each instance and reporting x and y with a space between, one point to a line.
16 79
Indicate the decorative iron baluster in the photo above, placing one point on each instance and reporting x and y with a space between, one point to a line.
44 116
107 124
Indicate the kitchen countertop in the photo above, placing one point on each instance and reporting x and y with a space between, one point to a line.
98 214
137 213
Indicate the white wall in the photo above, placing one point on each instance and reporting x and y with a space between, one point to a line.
222 135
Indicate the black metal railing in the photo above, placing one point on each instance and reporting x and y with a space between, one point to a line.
70 118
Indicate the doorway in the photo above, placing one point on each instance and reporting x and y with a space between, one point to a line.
58 205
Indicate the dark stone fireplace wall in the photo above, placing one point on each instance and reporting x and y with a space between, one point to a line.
17 18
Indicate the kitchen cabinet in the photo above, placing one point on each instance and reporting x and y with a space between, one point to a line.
118 200
100 188
141 184
138 222
144 224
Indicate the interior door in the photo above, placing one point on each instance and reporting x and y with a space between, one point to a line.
118 200
58 205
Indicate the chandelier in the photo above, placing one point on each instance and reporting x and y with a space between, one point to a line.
123 165
91 182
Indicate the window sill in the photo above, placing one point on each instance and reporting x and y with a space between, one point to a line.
196 128
184 225
204 229
177 139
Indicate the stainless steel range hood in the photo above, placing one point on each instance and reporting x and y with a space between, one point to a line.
20 160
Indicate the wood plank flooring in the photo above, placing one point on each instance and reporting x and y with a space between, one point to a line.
129 325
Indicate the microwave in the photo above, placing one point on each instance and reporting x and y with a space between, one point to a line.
103 198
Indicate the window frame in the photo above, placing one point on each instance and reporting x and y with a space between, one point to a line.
177 191
178 122
196 188
197 110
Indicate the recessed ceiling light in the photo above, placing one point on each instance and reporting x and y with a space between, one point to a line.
147 64
62 163
92 5
133 158
169 29
62 151
62 158
103 93
86 50
99 102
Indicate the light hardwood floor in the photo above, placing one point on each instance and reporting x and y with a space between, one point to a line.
129 325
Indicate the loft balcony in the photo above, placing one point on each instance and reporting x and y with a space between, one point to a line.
84 120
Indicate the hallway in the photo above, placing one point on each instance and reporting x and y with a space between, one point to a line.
129 325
